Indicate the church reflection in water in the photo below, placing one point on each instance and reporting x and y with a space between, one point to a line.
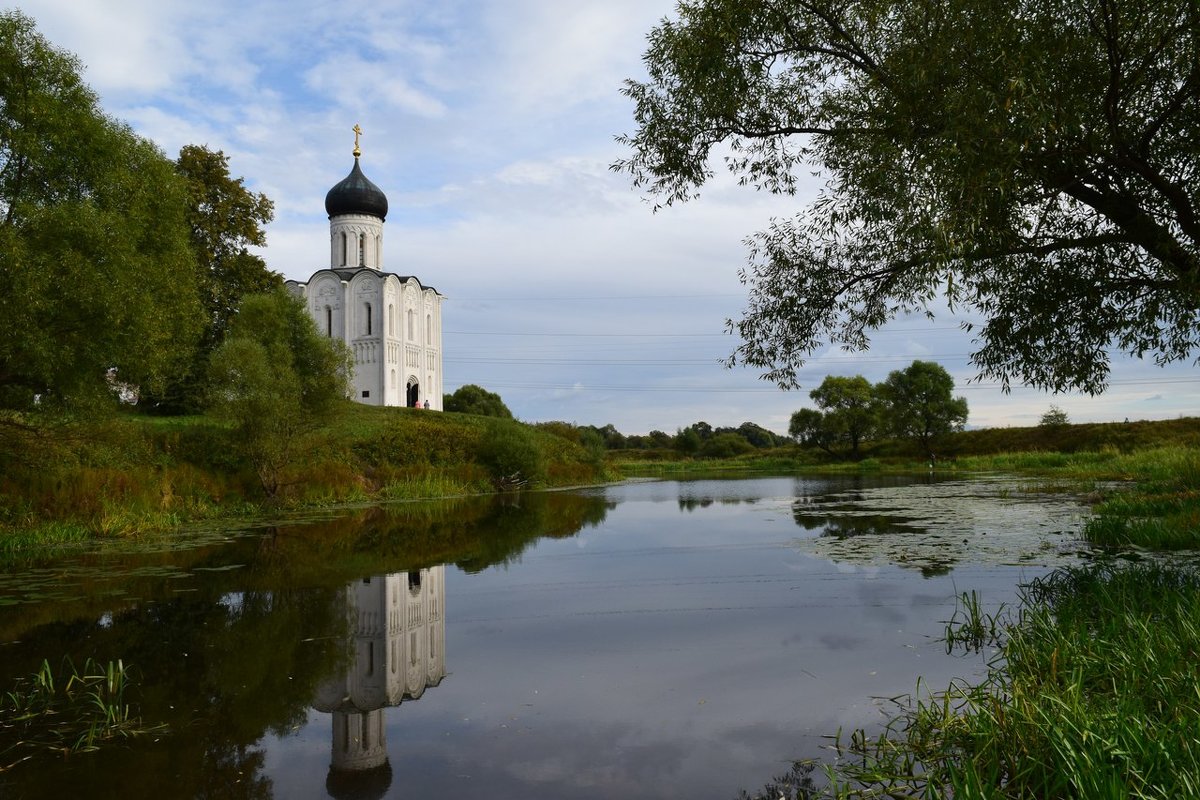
397 633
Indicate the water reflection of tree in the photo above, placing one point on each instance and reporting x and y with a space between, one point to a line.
229 655
692 503
849 523
473 533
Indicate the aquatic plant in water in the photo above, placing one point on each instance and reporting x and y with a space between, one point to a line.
72 712
971 627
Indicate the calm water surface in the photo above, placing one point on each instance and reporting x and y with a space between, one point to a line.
648 640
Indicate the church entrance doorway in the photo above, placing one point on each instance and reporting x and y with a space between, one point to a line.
414 393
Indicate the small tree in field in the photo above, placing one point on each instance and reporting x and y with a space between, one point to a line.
849 407
274 379
1053 418
918 404
808 428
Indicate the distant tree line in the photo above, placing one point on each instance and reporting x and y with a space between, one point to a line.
914 403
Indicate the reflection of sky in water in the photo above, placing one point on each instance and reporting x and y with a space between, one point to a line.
687 646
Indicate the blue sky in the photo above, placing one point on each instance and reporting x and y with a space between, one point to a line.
490 126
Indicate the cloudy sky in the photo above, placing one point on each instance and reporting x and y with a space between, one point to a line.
490 126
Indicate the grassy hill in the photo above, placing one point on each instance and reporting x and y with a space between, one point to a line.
130 473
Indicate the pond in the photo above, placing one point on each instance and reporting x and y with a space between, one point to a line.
653 639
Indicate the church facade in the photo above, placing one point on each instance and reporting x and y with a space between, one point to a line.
391 323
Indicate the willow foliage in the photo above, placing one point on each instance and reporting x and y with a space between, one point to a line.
1033 161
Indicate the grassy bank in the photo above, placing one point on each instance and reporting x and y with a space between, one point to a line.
1093 696
67 481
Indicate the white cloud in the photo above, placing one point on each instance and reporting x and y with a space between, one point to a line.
356 84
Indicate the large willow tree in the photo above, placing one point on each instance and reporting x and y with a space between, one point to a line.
1034 161
96 267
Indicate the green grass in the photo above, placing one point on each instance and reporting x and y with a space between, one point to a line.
1161 511
1095 695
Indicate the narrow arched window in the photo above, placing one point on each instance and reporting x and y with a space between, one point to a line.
379 251
362 249
412 334
345 246
329 321
391 320
367 307
429 329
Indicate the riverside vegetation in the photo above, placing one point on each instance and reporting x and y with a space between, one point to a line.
127 474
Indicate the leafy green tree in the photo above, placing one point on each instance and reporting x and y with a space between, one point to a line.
757 435
660 440
96 271
808 427
918 403
1034 162
850 409
225 219
274 378
472 399
1054 417
613 438
593 444
687 441
725 445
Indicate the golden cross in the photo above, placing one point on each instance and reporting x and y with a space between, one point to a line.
357 133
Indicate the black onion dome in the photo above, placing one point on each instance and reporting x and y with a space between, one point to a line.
356 195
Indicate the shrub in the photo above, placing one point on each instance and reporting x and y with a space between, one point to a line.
512 457
725 445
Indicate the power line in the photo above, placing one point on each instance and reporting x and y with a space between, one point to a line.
667 361
586 335
560 334
572 387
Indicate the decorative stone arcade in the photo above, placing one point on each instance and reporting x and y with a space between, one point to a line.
392 323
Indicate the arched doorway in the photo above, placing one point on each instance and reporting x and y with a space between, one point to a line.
413 395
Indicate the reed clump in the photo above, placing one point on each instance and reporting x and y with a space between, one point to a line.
71 711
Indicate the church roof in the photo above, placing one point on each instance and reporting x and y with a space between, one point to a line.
347 273
355 194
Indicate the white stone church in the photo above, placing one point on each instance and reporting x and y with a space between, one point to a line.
392 323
